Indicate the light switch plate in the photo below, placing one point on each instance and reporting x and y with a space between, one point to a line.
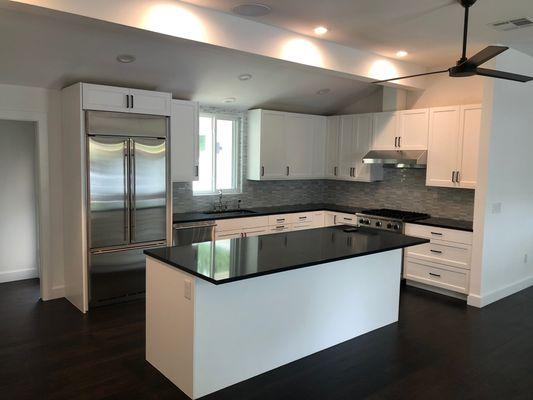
187 289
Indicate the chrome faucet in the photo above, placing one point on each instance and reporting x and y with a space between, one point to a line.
220 206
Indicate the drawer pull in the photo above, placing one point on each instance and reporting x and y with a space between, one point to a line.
280 220
436 233
302 217
436 251
348 219
435 275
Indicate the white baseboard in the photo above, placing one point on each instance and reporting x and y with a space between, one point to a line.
484 300
18 275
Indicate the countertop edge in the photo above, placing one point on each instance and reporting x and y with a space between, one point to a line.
293 267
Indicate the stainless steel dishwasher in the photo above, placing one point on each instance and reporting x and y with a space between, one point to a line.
193 232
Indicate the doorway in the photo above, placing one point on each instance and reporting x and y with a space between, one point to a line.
19 257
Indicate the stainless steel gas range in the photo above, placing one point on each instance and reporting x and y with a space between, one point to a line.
387 219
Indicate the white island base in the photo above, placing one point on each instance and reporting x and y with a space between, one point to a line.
205 337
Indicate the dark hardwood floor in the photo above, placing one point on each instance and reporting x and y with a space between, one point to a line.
440 349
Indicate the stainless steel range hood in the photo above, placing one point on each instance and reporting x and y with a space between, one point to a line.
397 158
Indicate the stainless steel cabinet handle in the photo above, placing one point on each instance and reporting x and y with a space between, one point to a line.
262 171
436 233
197 169
399 141
334 220
347 219
457 179
131 101
436 251
435 275
335 171
288 170
127 101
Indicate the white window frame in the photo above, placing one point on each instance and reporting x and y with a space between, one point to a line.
237 189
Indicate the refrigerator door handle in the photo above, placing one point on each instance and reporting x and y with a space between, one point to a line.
126 197
133 185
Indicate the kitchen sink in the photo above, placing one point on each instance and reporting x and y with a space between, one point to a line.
230 212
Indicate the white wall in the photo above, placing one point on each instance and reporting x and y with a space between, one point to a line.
441 90
371 103
18 206
503 237
21 100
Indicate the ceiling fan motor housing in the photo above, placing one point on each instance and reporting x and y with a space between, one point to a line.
467 3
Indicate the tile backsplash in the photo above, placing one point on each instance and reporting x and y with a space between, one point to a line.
401 189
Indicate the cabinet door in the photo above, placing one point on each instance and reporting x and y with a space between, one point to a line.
184 141
469 145
332 147
299 141
346 145
361 146
105 98
273 146
443 146
319 144
414 129
385 130
148 102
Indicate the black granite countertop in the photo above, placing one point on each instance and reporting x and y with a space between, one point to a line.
224 261
261 211
449 223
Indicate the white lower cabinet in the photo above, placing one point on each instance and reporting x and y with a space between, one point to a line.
442 263
335 218
257 226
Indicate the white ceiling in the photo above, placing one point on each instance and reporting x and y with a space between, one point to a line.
430 30
53 51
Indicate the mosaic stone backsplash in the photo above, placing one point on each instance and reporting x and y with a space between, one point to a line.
401 189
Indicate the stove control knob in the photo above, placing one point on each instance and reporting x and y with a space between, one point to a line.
367 222
378 224
361 221
389 226
396 227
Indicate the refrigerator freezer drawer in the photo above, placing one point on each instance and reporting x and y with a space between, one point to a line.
116 277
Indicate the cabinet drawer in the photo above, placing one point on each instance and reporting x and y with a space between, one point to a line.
437 275
455 256
228 235
302 226
345 219
281 219
241 223
281 228
303 217
430 232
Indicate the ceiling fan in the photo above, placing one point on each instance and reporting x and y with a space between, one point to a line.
470 66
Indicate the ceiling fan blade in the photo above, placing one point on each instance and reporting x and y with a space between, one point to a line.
485 55
492 73
410 76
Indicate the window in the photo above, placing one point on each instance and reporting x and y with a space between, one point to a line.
219 155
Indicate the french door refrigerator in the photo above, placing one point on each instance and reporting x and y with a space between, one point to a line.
128 201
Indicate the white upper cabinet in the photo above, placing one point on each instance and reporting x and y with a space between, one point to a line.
332 147
453 146
401 130
184 151
111 98
385 128
470 129
300 140
352 136
148 102
413 129
285 145
361 146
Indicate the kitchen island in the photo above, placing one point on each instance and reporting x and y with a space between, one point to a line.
220 312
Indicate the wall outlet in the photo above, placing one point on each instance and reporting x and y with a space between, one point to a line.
187 289
496 208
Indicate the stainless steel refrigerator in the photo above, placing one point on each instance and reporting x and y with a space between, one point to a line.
128 196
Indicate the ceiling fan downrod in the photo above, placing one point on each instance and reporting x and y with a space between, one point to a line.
466 4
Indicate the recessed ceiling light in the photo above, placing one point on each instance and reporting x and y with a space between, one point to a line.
252 10
321 30
245 77
229 100
125 58
401 53
323 91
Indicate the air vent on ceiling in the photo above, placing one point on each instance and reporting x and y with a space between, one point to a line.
512 24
